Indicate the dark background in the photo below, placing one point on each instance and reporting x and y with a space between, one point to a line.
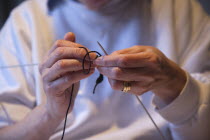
7 5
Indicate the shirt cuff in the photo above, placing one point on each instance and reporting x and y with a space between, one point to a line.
184 106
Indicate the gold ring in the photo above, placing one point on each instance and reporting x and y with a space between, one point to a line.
126 86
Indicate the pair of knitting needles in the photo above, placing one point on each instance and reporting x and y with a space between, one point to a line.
139 100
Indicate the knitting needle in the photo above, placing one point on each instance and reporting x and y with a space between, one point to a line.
102 48
139 100
16 66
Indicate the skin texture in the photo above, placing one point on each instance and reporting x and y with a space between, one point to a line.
146 68
61 68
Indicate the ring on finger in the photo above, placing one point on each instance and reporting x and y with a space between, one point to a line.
126 86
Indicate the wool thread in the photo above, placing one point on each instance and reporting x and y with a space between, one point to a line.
98 81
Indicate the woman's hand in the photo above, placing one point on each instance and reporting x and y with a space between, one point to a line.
61 68
146 68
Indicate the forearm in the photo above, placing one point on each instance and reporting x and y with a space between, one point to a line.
38 125
189 112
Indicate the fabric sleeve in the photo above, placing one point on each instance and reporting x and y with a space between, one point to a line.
17 96
188 115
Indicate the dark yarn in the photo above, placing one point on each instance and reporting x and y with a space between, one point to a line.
100 78
64 127
98 81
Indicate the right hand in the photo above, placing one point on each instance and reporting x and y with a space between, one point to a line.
61 69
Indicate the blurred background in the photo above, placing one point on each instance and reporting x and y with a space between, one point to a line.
7 5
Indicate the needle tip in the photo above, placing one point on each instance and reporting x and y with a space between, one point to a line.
102 48
99 43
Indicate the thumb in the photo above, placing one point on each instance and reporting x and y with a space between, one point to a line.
70 37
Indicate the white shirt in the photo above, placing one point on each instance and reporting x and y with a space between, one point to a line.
180 29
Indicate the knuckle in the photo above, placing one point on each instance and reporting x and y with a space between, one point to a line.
79 52
148 55
154 59
58 43
117 72
60 64
59 51
149 48
137 46
78 64
123 61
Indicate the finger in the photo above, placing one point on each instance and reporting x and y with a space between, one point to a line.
128 60
129 74
64 43
61 84
70 37
64 66
131 50
67 53
60 43
137 88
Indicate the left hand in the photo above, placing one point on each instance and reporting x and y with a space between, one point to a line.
146 68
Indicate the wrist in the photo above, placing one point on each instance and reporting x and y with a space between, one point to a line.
52 114
172 88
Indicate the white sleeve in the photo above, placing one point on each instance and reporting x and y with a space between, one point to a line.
189 114
17 96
